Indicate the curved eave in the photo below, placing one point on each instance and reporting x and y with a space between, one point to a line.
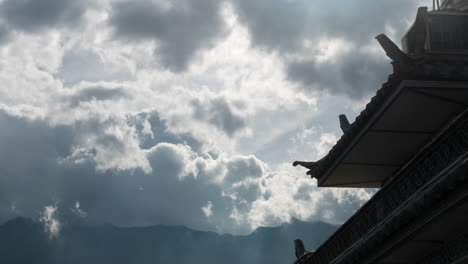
396 124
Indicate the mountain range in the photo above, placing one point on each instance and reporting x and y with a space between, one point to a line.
23 241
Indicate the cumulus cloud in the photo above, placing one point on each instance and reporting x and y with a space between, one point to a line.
208 209
176 184
241 168
219 113
311 144
171 188
180 30
49 219
290 194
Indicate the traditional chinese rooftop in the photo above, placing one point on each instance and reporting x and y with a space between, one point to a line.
427 89
412 141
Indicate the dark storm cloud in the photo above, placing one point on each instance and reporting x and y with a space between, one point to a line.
353 74
34 15
45 165
277 24
219 113
180 31
284 25
97 94
28 162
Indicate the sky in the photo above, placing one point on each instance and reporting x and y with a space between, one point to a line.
183 112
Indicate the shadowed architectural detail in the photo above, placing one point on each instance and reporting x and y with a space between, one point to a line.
411 141
451 252
300 248
344 123
307 164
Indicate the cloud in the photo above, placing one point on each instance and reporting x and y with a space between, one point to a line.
208 209
311 144
297 30
354 74
285 25
80 65
5 34
78 211
290 194
97 94
180 30
36 15
170 184
152 129
245 167
70 163
218 112
91 126
51 224
277 24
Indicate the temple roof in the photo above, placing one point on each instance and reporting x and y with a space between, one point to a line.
411 139
418 99
392 128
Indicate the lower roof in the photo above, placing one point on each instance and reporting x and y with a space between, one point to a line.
431 179
402 124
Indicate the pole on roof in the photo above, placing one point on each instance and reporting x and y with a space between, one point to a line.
433 4
438 4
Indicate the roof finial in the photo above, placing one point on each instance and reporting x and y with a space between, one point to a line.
299 248
344 123
402 60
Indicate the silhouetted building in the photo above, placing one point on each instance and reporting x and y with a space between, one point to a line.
411 141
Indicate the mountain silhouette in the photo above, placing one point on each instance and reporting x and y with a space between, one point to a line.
23 240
